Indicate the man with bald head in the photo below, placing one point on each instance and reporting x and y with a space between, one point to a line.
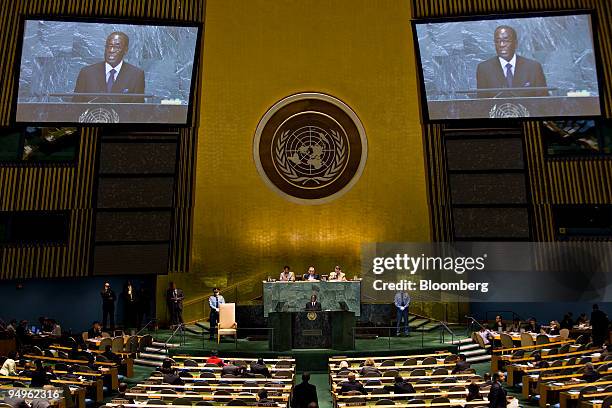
509 70
113 75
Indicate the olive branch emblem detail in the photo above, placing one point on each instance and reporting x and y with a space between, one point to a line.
334 168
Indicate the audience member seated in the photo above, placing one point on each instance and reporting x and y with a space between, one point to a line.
532 325
230 369
244 372
473 392
607 351
8 367
214 359
41 376
263 400
123 387
112 357
555 327
352 385
516 326
260 368
28 369
461 364
486 379
304 394
486 334
70 375
568 321
500 325
400 387
590 374
582 319
95 331
369 369
537 361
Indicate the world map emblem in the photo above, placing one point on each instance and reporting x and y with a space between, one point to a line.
311 148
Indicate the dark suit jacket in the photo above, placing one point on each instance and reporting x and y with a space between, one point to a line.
460 366
317 306
304 394
260 369
316 276
92 79
352 386
527 73
179 296
497 396
401 388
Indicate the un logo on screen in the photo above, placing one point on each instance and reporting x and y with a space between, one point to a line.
310 148
508 110
99 115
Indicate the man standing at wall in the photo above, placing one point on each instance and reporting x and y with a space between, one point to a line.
108 305
174 298
214 301
402 302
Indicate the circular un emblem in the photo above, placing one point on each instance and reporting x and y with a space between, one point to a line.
311 316
509 110
99 115
311 148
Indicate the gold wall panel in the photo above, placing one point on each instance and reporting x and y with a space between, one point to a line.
258 52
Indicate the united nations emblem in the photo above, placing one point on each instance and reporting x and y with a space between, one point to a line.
311 316
509 110
310 148
99 115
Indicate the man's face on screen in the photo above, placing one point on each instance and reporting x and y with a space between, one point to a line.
505 43
114 50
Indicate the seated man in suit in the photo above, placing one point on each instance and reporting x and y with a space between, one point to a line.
259 367
313 305
461 364
311 275
352 385
508 70
400 387
113 75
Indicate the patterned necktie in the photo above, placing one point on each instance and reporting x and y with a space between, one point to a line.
111 81
509 76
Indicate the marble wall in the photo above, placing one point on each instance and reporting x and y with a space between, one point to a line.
54 52
451 51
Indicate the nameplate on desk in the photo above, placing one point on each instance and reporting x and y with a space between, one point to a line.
312 332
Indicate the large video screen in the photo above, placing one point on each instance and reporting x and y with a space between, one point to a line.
518 67
106 72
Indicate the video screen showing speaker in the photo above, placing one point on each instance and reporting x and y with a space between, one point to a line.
518 66
72 71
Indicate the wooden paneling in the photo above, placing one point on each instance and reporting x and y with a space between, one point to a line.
550 181
53 187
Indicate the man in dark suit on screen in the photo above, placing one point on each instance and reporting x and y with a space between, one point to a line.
508 70
113 75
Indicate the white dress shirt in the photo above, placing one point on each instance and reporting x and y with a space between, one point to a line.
503 63
117 69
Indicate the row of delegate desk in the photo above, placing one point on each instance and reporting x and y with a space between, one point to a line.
88 382
214 389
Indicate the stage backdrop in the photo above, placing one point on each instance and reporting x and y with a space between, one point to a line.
257 53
